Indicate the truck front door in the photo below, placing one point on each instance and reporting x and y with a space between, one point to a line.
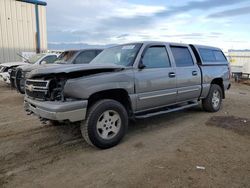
155 83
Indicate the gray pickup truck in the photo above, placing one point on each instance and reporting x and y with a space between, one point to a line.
136 80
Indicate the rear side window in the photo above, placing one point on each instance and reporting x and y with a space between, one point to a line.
182 56
209 55
156 57
219 56
85 57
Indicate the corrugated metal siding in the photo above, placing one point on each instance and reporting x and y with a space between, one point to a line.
18 29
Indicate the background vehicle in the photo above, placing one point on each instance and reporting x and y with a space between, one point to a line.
136 80
37 59
67 57
5 68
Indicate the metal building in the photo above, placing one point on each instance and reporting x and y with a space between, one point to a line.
22 28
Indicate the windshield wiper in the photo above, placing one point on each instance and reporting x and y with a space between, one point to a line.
26 59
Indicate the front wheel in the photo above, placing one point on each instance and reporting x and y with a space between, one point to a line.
214 99
106 124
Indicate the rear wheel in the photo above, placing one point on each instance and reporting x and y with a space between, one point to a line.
214 99
106 124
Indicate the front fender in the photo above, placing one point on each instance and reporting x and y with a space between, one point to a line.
83 87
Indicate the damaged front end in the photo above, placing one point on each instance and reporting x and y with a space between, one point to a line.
44 94
45 89
45 98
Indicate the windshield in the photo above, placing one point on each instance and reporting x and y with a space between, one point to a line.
33 59
119 55
65 57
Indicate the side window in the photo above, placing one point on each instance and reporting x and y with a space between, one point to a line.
182 56
49 59
85 57
156 57
219 56
207 55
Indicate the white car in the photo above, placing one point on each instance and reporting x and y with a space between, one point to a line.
4 67
42 58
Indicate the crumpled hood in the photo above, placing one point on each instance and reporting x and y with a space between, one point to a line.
30 67
11 64
71 68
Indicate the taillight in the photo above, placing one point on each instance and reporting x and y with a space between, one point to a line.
229 72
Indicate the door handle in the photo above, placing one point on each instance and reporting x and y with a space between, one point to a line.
171 75
194 73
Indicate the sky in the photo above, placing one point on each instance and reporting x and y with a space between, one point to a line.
221 23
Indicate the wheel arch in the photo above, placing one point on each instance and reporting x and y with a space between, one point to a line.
219 82
120 95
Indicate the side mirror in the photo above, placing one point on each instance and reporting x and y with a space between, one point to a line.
43 62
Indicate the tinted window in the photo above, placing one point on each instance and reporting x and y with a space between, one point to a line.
219 56
49 59
156 57
85 57
209 55
182 56
98 51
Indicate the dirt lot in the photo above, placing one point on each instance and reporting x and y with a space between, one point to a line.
157 152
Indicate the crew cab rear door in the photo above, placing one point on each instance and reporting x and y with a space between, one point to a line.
188 73
155 83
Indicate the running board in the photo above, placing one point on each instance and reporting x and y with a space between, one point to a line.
166 111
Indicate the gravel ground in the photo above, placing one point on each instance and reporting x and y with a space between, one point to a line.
163 151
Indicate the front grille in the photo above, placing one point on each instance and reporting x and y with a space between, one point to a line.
37 89
38 83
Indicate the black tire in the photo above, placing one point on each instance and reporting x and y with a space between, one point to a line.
89 127
54 123
20 82
208 104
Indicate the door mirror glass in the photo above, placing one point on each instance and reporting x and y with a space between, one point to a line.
43 62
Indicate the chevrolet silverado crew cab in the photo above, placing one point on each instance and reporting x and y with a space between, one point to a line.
67 57
136 80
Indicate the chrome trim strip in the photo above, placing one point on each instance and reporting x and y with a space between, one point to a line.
159 95
188 90
40 90
37 81
36 87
